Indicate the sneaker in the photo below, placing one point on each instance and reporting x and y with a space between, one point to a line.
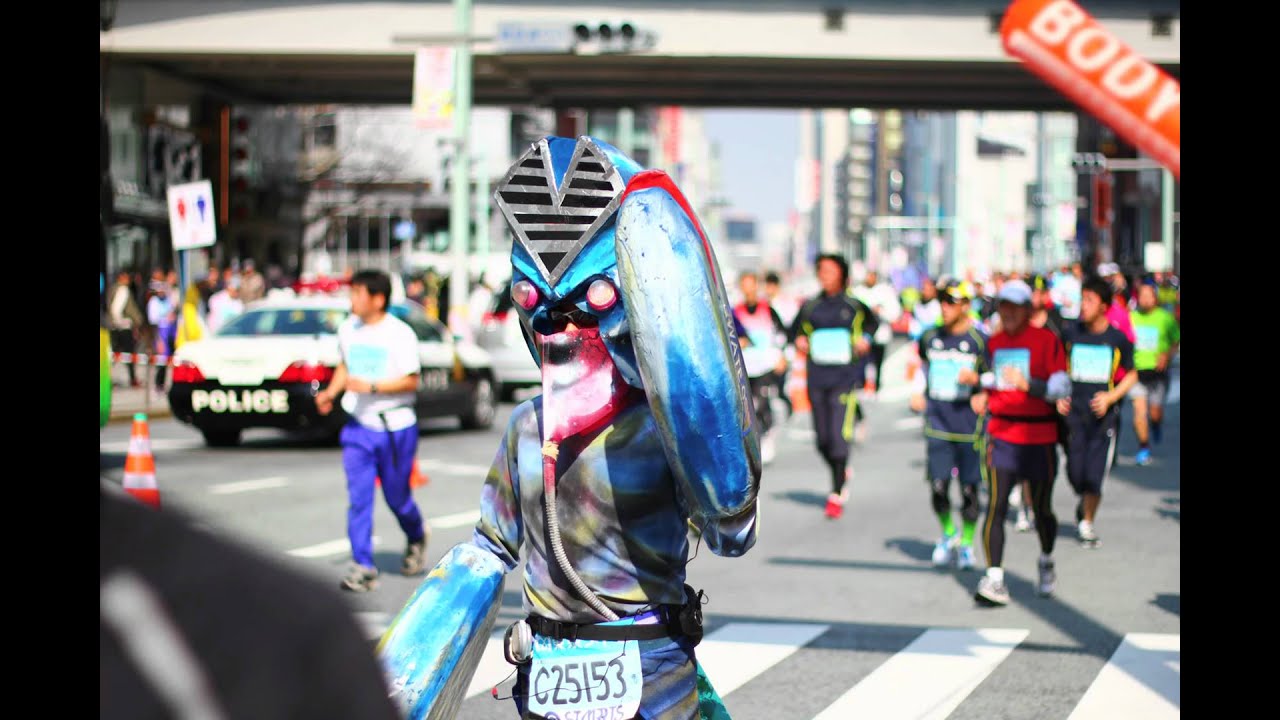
768 447
415 558
360 578
991 593
1048 577
964 557
1143 457
942 551
1085 534
835 508
1023 523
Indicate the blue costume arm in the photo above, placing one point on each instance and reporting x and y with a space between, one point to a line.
690 362
431 650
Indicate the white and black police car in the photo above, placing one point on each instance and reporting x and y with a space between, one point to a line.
264 367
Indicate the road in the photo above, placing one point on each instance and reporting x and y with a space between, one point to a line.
822 619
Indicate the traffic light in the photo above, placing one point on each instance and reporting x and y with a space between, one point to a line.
1089 163
896 183
240 166
612 37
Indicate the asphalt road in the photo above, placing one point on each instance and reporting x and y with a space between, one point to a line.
822 618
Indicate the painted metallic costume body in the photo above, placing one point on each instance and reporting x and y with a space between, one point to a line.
644 427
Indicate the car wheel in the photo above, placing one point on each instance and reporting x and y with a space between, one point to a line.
221 438
482 406
508 392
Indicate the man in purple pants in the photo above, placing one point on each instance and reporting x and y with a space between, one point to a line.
379 372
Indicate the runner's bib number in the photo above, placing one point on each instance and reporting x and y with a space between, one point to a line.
1147 337
1019 358
943 379
1091 364
585 676
831 346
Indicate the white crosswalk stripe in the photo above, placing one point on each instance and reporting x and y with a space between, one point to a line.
925 680
1142 679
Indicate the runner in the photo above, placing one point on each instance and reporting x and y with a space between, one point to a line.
834 331
1028 375
763 339
953 357
1157 336
1100 365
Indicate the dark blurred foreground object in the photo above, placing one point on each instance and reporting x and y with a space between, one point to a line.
194 626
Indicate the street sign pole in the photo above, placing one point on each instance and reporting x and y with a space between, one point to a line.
460 192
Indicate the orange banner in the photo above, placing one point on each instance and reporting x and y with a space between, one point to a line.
1067 48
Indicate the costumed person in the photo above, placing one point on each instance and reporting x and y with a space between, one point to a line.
643 432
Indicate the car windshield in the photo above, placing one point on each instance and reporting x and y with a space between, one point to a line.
285 321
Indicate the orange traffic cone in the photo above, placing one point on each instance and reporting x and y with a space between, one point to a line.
140 464
417 478
799 382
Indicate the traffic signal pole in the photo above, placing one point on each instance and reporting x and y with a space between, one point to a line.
460 192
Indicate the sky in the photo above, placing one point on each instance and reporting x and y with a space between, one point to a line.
757 158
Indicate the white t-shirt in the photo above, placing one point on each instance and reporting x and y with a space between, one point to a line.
385 350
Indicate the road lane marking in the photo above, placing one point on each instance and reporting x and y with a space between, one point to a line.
954 663
248 485
122 446
447 468
1142 679
739 651
462 519
325 549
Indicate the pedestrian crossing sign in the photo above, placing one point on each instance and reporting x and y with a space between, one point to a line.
191 223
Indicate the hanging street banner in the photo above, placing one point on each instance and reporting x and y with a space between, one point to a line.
433 79
191 223
1068 49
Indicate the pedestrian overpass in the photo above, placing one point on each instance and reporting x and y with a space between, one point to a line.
911 54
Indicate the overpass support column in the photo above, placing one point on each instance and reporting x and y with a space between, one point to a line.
460 192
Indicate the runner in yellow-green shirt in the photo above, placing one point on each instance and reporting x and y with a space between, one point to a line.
1156 337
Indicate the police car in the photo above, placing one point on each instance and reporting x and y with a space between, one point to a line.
263 368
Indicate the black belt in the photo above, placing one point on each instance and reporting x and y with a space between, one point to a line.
668 626
1027 418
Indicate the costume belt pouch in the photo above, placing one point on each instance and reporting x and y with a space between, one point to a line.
1091 364
586 676
831 346
944 381
1019 358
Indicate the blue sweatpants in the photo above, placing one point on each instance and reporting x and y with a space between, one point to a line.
366 455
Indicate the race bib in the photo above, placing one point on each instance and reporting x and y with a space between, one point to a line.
585 678
1146 337
1019 358
943 382
1091 364
760 356
368 362
831 346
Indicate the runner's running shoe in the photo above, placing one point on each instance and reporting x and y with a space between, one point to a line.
991 593
360 578
1085 534
964 557
415 558
1024 522
1048 577
1143 457
942 551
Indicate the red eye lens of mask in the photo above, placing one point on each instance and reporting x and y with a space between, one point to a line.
601 295
524 294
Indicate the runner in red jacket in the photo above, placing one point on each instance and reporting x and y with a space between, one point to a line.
1028 374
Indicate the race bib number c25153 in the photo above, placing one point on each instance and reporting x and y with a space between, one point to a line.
585 678
944 381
